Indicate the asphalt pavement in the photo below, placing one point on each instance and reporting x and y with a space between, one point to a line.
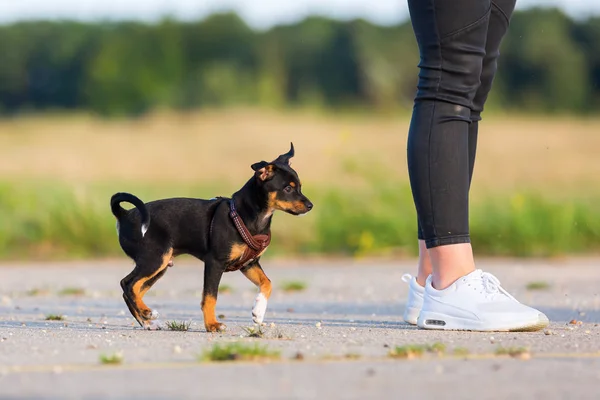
334 337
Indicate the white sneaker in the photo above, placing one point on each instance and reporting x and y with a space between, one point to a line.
415 299
477 302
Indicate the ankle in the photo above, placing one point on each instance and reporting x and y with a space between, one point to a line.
443 282
450 263
425 268
422 278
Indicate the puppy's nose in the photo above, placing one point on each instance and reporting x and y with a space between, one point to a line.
309 205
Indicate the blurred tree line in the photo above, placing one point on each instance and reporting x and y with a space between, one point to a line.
549 63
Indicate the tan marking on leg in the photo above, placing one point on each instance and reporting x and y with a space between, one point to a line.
257 276
132 309
137 298
139 290
211 324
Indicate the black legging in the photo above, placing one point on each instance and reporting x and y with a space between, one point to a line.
459 44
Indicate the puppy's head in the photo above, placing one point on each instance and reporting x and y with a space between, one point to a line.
282 185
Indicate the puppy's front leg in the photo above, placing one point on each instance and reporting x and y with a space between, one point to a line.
256 275
213 272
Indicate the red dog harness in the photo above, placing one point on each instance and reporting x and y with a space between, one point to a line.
255 244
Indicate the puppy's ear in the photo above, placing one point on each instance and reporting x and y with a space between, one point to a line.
285 158
263 170
259 165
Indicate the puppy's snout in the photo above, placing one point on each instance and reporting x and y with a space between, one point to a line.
308 205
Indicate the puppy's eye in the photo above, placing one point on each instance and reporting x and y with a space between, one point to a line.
288 189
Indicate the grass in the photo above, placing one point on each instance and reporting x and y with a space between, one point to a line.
54 222
55 317
515 352
538 285
436 347
239 352
409 351
178 326
72 291
254 331
37 292
115 358
352 168
225 289
378 221
293 286
461 351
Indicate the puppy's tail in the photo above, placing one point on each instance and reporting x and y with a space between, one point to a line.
117 210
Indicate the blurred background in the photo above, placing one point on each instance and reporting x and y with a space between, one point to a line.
166 98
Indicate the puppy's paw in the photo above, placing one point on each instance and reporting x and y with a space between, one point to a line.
149 314
259 309
215 327
153 325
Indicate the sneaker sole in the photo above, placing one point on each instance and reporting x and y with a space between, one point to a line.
436 321
411 315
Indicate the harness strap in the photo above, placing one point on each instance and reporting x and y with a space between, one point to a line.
256 244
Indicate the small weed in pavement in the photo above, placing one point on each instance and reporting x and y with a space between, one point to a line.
225 289
37 292
116 358
72 291
538 285
409 351
178 326
293 286
515 352
436 347
254 331
413 350
239 352
461 351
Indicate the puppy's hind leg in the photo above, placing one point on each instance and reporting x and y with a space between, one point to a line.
145 274
125 283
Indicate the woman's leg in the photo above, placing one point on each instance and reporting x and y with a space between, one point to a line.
498 25
452 37
439 144
499 20
424 266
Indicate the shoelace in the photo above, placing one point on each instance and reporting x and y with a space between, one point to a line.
491 284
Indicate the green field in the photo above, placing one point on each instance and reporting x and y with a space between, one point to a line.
533 192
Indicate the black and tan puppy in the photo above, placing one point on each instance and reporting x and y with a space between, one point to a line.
228 234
